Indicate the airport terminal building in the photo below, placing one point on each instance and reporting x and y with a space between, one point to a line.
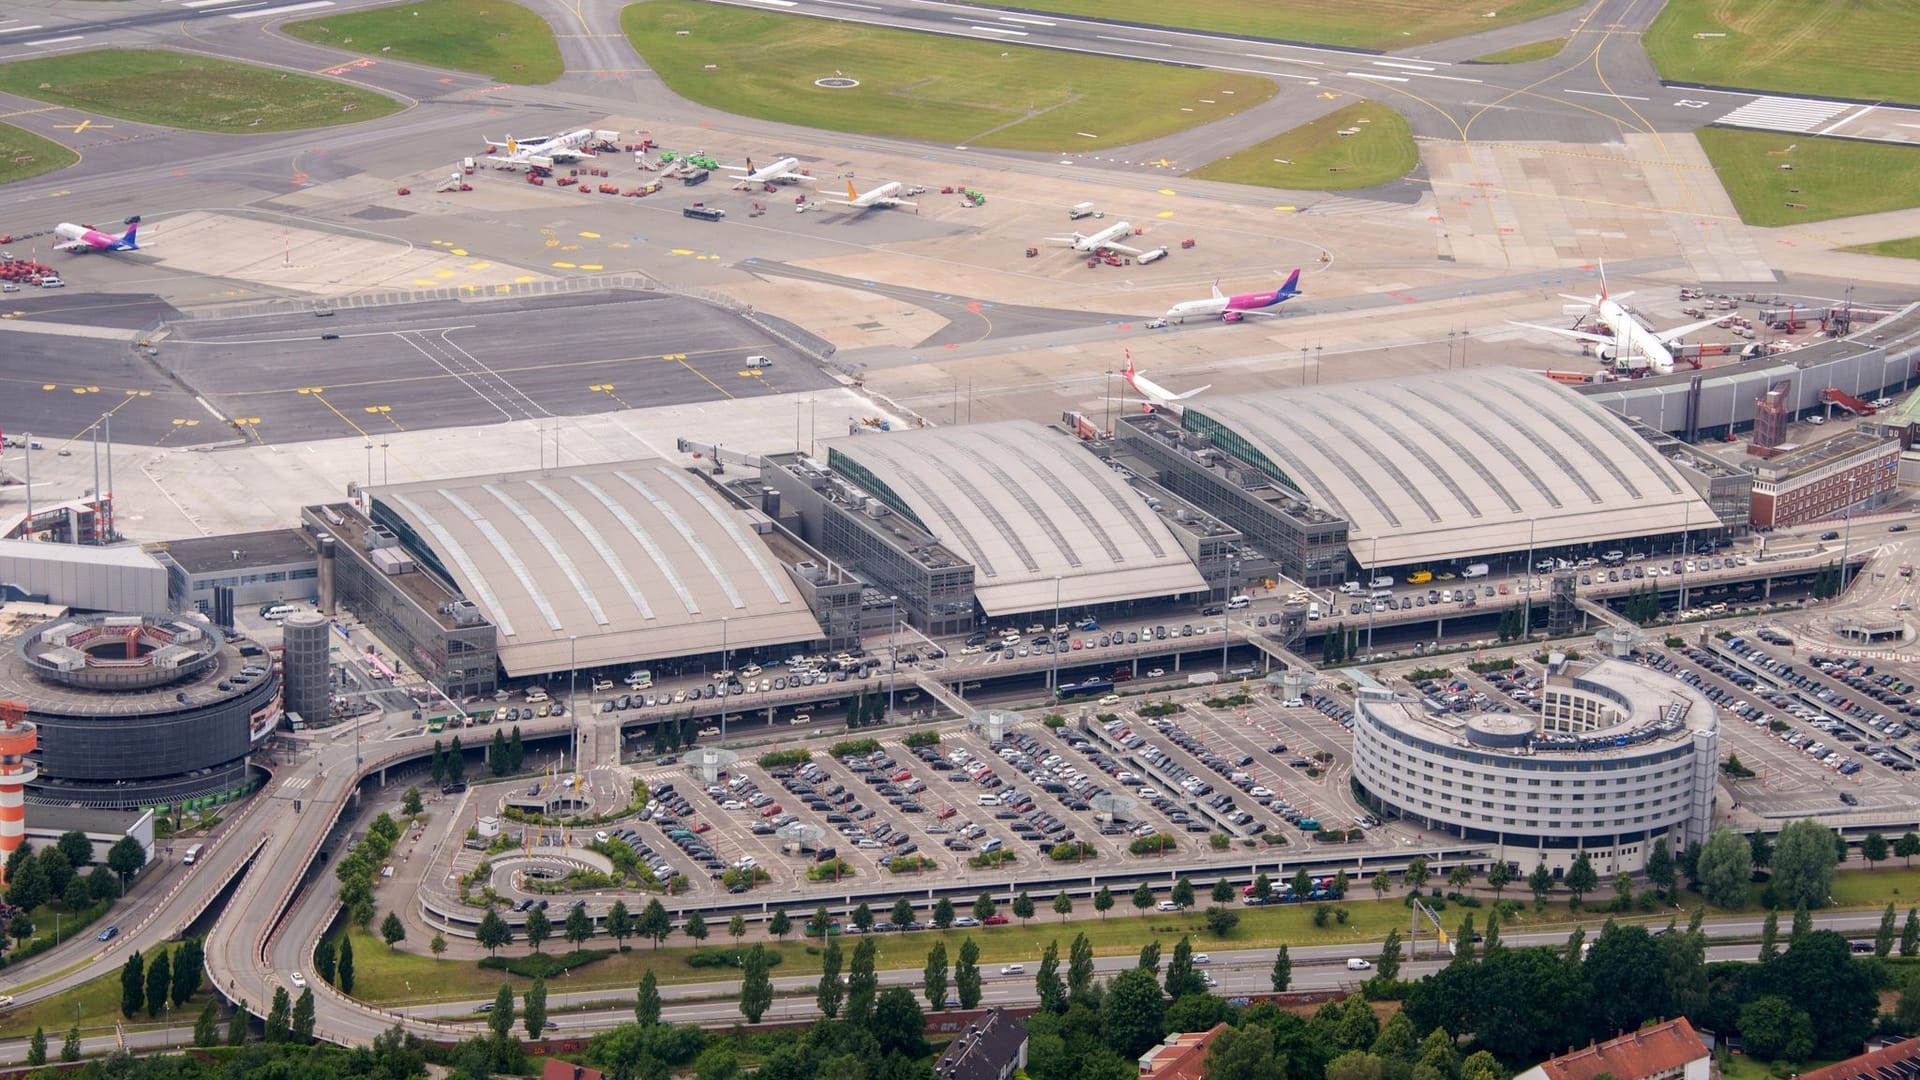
1618 757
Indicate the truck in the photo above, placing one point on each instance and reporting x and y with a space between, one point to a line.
1203 678
1083 210
1478 569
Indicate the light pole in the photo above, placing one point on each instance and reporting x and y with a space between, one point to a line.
1053 677
1374 572
573 714
1846 541
1686 550
725 678
1226 613
1526 598
893 649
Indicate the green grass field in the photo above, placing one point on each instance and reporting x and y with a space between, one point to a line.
495 38
171 89
95 1006
1904 248
1858 49
1830 178
922 86
1365 24
1316 157
24 154
1524 54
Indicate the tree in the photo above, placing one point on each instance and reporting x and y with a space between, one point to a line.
1463 941
1883 941
1770 935
1063 905
76 847
579 927
737 928
497 753
58 871
493 932
717 1062
159 982
1080 971
1910 933
943 913
756 986
863 918
780 925
1181 978
18 858
538 928
898 1024
1540 882
37 1048
344 966
1150 957
1222 920
831 992
236 1032
27 887
1182 894
983 907
966 975
1143 897
391 931
533 1008
1803 862
1581 878
1724 868
1874 849
456 762
500 1019
695 927
1492 941
646 1001
279 1016
1907 847
1417 873
1132 1014
933 978
206 1029
654 922
1660 868
1772 1028
439 763
1222 891
1387 968
302 1025
101 884
902 912
410 803
863 986
1023 907
1282 970
1499 876
189 966
1047 983
619 921
1103 902
1382 884
1802 924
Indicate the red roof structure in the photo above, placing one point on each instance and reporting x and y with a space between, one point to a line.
1651 1053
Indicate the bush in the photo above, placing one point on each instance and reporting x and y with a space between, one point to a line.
853 746
1378 989
921 738
544 965
726 958
781 759
1157 844
1219 841
1481 667
991 858
1073 851
1424 674
1054 721
1222 920
1159 708
1273 839
831 870
910 864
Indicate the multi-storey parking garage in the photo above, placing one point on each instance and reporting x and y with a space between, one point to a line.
140 711
1618 757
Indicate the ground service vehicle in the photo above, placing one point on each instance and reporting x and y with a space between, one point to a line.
704 213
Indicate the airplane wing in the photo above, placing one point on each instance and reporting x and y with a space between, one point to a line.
1124 249
73 245
1580 335
1667 336
1190 393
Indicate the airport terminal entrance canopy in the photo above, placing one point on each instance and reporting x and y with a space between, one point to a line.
634 560
1025 505
1457 466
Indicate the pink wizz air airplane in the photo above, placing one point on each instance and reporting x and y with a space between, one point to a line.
1235 308
88 238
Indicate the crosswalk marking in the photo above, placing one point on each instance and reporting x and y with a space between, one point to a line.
1784 114
296 783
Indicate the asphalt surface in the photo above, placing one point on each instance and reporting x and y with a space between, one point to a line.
449 364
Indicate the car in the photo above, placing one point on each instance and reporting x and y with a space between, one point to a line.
299 981
1829 535
1898 527
108 934
1202 958
994 920
1156 673
1848 798
1014 969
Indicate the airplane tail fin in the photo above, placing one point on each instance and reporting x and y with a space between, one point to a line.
133 226
1217 295
1292 286
1128 373
852 195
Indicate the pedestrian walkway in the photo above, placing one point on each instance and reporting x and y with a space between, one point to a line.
1771 113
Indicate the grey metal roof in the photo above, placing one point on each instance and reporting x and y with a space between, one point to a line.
1025 504
635 559
1457 465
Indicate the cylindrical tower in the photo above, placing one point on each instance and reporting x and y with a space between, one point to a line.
18 737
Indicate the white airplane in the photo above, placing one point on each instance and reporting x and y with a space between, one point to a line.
1157 396
1235 308
786 168
87 238
887 195
1628 345
1104 240
569 147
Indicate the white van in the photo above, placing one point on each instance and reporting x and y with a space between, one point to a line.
990 847
277 612
988 800
1478 569
1357 964
1239 601
1381 582
1313 611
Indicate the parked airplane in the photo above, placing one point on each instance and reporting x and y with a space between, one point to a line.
1628 344
1157 396
1104 240
886 195
88 238
1235 308
786 168
569 147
